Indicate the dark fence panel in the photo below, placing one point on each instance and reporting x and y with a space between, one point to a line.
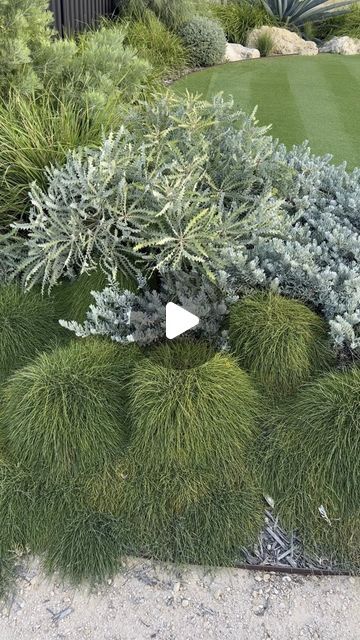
76 15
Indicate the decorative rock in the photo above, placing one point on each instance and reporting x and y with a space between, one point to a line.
235 52
285 42
344 45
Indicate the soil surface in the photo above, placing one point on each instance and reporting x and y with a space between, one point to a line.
148 601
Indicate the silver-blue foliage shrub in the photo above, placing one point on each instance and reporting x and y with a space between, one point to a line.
191 187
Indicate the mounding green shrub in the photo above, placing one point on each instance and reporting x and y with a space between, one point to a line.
281 342
185 472
28 325
204 40
312 467
239 18
154 42
67 412
86 548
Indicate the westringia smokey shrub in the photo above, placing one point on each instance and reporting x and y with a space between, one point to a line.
175 186
140 317
204 40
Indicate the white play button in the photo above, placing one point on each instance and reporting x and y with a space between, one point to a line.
178 320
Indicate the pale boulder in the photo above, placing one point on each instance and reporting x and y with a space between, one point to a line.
285 42
235 52
343 44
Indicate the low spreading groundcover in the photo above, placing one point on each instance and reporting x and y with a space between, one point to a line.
303 98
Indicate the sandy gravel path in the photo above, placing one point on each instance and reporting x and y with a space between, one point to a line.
152 602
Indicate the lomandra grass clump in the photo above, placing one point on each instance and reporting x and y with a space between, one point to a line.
312 465
281 342
186 491
67 411
28 325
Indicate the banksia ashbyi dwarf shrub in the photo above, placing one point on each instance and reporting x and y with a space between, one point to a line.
204 40
194 421
66 413
28 325
281 342
312 466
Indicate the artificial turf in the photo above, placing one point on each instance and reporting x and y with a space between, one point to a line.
304 98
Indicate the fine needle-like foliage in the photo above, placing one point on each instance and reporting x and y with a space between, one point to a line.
312 466
28 325
185 492
87 548
66 412
281 342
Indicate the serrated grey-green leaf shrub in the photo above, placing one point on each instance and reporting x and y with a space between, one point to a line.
169 191
191 185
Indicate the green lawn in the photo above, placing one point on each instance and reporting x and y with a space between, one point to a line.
304 98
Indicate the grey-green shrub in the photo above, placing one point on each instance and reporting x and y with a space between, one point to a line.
28 326
312 469
204 40
66 413
25 26
279 341
201 197
238 18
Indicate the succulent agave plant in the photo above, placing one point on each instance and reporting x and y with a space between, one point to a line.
299 12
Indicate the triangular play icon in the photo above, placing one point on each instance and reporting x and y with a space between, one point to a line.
178 320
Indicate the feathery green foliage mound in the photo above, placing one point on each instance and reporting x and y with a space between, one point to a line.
36 133
204 40
312 461
184 490
66 412
72 299
239 18
28 325
281 342
154 42
343 25
87 548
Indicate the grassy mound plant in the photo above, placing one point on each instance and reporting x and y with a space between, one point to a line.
66 413
194 419
312 464
281 342
28 325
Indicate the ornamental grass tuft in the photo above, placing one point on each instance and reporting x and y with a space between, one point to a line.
184 487
28 325
312 468
67 412
279 341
